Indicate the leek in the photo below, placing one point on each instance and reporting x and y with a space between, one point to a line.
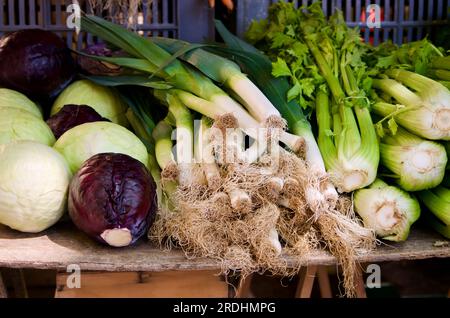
258 67
417 164
386 209
162 134
427 103
206 155
148 57
229 74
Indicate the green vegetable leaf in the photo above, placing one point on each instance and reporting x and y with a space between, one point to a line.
257 31
280 68
137 80
294 92
280 40
392 126
379 129
290 31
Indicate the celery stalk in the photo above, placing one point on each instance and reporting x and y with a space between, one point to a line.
386 209
417 163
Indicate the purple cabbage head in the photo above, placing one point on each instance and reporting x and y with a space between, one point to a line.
70 116
112 198
36 63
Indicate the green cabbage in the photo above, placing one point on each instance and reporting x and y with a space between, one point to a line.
104 100
17 124
34 180
84 141
13 99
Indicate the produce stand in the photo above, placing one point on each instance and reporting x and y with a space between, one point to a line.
147 270
63 245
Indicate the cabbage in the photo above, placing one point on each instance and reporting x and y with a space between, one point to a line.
17 124
34 181
84 141
103 99
71 116
35 62
112 198
13 99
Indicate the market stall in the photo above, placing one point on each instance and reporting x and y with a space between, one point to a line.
156 166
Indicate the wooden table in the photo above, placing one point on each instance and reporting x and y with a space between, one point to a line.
64 245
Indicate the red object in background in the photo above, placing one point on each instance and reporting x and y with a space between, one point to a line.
372 17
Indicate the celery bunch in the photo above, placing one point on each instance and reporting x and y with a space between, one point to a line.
322 58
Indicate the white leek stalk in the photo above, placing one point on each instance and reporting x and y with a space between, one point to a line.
162 134
206 157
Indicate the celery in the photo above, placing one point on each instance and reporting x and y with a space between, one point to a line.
386 209
417 163
427 103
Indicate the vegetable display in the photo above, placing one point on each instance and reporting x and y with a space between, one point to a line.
328 67
248 201
243 152
112 198
35 62
34 180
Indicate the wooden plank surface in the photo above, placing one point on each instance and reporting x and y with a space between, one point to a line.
64 245
168 284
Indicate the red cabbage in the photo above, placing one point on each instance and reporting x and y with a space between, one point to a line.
112 198
70 116
36 63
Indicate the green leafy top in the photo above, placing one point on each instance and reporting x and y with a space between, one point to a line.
284 35
414 56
